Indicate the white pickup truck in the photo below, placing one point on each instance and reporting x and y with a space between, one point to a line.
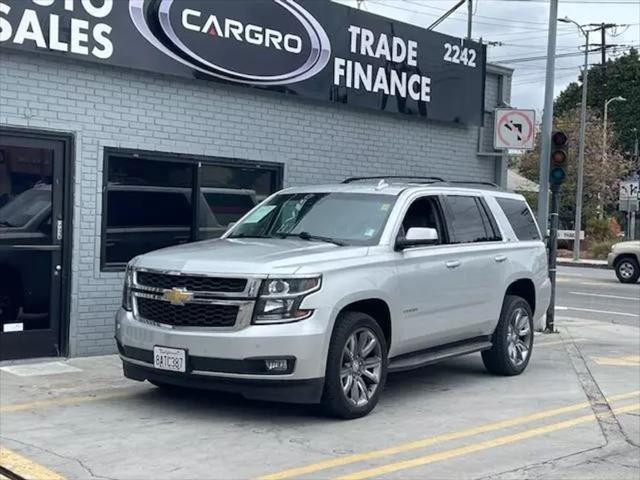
319 292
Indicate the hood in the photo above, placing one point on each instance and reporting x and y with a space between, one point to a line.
246 256
631 244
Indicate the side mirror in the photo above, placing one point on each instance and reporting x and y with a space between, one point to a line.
418 236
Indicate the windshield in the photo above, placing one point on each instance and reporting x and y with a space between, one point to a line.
347 218
19 211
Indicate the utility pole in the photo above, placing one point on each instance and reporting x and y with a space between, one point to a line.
583 125
469 18
547 120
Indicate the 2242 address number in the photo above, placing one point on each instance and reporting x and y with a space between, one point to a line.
462 56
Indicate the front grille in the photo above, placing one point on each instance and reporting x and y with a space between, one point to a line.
189 315
192 283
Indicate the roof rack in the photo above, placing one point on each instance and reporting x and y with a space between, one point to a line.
468 182
396 177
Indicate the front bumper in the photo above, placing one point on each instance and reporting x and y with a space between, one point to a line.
290 391
219 358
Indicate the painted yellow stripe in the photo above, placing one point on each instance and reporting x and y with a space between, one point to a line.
630 361
21 407
476 447
446 437
24 467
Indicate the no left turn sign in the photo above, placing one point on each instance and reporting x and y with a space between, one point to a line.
514 129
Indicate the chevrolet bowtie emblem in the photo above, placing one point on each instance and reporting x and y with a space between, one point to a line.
177 296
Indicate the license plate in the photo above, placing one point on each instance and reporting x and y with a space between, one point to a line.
172 359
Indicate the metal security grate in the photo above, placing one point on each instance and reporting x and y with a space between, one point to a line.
192 283
189 315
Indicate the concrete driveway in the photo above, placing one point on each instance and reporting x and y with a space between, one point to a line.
573 414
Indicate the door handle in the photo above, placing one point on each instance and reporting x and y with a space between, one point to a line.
500 258
453 263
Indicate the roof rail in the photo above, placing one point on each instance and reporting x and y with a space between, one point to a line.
469 182
396 177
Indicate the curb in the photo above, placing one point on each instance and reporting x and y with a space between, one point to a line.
581 264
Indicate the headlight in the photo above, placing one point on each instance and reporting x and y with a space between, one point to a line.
280 299
126 289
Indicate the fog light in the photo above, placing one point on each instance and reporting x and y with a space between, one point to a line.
277 365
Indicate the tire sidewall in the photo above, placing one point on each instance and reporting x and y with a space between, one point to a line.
511 304
636 270
346 324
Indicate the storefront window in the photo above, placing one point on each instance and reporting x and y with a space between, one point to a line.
149 202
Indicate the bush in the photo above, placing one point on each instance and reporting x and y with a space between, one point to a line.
599 230
600 250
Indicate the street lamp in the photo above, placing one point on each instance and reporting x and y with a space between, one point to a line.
583 124
604 143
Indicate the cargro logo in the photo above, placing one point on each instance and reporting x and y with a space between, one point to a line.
259 42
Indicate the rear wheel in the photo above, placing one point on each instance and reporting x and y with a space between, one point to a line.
356 366
512 339
627 270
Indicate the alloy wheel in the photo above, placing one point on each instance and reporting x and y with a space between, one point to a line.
519 337
361 366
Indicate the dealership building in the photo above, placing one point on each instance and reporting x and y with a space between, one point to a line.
132 125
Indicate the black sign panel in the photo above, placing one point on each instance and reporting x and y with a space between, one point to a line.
311 48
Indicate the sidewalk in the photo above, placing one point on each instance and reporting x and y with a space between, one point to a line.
588 263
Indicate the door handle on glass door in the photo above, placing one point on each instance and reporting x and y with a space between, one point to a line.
453 263
500 258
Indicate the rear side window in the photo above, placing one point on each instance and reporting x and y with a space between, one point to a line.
467 221
520 218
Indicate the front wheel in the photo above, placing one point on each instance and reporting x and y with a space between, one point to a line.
356 366
627 270
512 339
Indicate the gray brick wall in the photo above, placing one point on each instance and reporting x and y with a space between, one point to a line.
109 107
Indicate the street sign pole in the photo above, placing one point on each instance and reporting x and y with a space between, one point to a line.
553 253
547 118
583 122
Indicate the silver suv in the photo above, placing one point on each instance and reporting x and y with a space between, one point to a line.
319 292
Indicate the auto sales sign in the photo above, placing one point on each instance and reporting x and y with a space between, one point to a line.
309 48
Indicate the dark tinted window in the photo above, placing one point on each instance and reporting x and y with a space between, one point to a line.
520 218
149 208
465 220
149 201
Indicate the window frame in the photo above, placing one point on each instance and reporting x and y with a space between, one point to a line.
440 212
196 162
480 205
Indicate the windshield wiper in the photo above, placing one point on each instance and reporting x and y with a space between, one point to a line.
4 223
247 235
308 236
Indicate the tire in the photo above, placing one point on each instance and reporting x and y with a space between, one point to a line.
508 356
345 381
627 270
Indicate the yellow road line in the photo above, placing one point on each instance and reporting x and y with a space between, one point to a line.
426 442
555 342
24 467
20 407
630 361
476 447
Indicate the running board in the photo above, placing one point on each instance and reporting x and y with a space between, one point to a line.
426 357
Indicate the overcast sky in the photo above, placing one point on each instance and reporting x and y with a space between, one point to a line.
521 25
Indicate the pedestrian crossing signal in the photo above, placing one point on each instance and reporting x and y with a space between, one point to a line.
559 155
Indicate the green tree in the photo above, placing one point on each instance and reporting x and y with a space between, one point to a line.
620 77
600 179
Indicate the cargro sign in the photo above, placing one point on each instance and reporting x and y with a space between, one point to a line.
310 48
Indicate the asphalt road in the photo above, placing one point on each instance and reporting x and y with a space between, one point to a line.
596 294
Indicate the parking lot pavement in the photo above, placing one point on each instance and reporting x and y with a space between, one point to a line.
573 414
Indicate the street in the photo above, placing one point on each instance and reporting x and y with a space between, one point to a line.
596 294
573 414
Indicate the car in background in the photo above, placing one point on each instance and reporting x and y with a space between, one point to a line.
625 259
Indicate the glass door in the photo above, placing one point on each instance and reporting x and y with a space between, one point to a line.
31 221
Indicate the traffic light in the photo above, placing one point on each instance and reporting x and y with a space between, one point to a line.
559 155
